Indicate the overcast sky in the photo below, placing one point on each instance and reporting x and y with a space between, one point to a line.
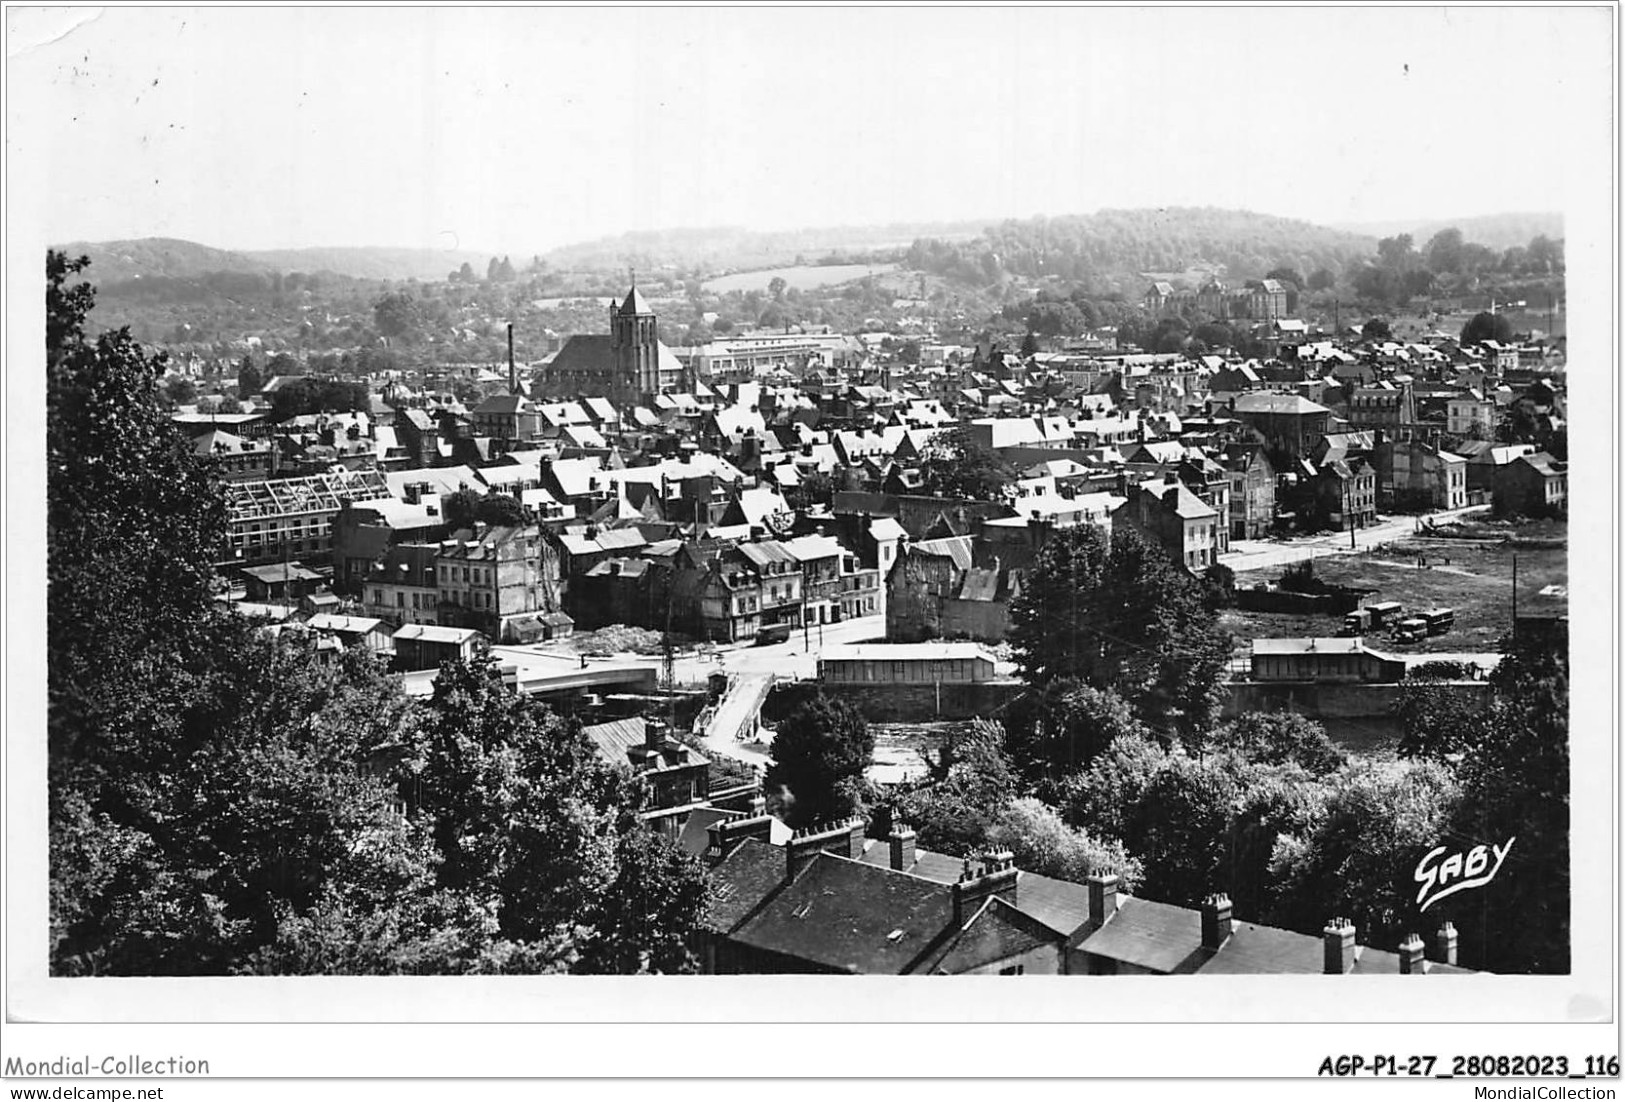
518 130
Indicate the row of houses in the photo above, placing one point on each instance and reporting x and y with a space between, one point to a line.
830 900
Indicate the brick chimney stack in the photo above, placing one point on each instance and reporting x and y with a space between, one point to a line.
1102 897
844 839
901 840
1411 955
724 835
1216 923
1338 938
1444 944
996 876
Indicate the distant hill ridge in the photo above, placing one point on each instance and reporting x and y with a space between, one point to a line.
115 261
1121 241
112 261
1497 231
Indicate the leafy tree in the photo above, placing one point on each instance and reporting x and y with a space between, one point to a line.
1218 587
134 521
1379 284
1060 728
1444 251
969 782
1214 334
1101 798
1377 329
1279 738
1114 612
1356 858
776 286
525 814
1485 326
1286 274
957 465
1545 255
501 509
1029 344
179 390
1180 828
1397 253
1043 843
1515 775
1321 279
249 380
398 317
819 755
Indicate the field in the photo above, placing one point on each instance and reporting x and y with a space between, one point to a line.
1473 577
803 277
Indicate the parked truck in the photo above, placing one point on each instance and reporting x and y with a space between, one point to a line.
1357 622
1384 612
1439 620
1412 629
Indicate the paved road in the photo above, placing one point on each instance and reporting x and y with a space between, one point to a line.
797 658
744 698
1266 554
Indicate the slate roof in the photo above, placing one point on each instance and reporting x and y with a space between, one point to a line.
740 882
344 625
1155 936
850 917
1277 404
936 867
615 738
612 539
997 931
503 404
961 549
585 352
432 633
281 572
635 304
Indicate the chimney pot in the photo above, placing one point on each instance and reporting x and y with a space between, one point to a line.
1411 955
1102 897
1444 944
1216 921
902 841
1338 940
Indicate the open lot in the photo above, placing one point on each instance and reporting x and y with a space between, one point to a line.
1473 577
803 277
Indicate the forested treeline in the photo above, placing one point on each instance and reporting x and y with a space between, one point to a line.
224 802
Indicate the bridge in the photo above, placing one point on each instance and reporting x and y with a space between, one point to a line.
735 720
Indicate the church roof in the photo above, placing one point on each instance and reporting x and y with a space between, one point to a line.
635 304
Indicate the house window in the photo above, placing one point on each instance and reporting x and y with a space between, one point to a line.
400 599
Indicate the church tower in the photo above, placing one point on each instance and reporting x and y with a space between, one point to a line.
635 348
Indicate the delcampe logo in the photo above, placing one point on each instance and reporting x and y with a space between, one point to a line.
1458 872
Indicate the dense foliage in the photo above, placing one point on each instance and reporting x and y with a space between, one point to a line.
820 751
223 801
1115 613
1116 244
955 465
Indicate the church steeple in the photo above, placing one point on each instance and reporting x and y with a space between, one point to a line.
635 344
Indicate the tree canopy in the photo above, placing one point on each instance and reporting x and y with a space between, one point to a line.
1485 326
1115 613
224 801
820 752
956 465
